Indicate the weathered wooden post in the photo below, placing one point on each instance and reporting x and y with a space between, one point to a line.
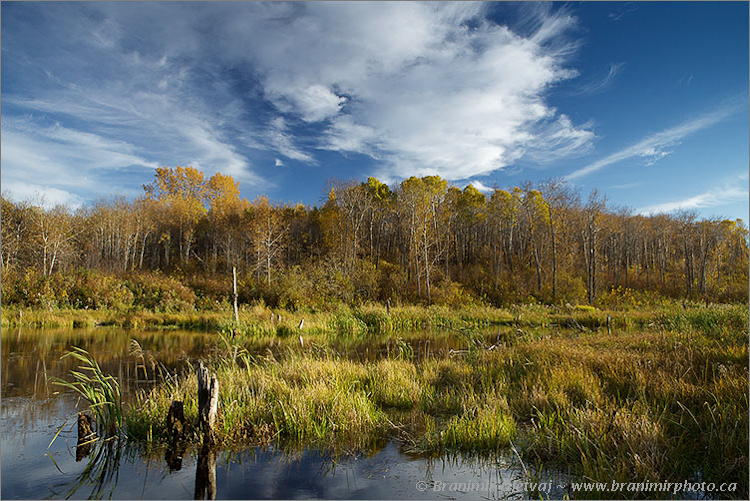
208 406
234 282
176 419
208 402
609 325
388 306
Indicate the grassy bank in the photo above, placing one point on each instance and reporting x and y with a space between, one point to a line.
260 320
663 397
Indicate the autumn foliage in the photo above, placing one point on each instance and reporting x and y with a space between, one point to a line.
421 241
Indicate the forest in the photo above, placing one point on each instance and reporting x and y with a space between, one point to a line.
421 242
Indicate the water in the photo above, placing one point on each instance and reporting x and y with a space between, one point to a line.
33 410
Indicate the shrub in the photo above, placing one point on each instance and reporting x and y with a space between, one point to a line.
160 293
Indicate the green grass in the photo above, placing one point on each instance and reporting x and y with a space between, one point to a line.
102 392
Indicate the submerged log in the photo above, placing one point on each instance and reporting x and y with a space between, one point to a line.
208 402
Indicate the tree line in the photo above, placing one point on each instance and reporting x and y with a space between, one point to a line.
423 240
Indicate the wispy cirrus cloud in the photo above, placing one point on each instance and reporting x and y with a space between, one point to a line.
600 85
656 146
731 191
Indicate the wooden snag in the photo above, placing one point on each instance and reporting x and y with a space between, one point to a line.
86 436
176 429
234 283
176 420
208 402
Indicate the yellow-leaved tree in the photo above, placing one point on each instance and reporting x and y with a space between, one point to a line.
180 195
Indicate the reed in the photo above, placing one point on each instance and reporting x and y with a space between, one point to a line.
101 391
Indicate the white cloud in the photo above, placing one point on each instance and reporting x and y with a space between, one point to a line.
481 187
654 147
412 84
282 140
424 88
318 103
146 128
731 191
46 196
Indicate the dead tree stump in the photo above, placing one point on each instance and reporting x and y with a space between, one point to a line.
86 436
208 402
176 420
176 428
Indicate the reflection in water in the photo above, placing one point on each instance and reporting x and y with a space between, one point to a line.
31 356
102 470
205 474
33 409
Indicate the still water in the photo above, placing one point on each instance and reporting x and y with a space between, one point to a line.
34 409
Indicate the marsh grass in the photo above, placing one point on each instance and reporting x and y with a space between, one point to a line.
663 397
101 391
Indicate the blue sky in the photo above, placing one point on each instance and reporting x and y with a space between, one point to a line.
647 102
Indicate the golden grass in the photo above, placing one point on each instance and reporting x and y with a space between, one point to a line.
664 397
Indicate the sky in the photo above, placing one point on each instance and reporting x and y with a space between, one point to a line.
646 102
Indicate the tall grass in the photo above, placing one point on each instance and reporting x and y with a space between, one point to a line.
663 397
101 391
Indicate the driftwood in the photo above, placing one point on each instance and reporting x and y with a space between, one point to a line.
86 436
208 402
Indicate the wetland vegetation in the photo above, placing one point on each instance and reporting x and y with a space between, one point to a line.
660 395
572 337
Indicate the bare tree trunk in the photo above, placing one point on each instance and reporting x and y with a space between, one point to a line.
554 260
426 262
